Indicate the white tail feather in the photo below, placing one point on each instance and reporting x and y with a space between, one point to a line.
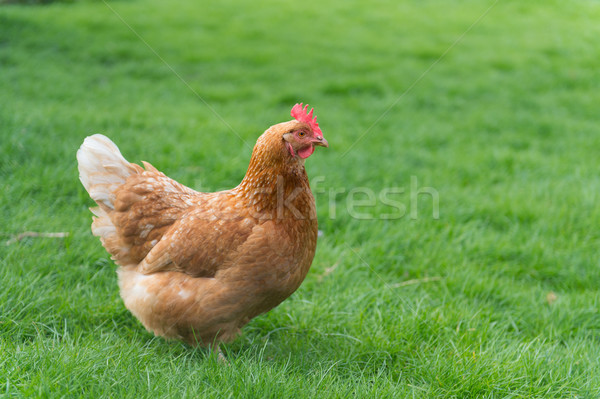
102 168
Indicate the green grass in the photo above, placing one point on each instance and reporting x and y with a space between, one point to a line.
505 127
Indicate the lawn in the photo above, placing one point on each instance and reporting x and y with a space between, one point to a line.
492 106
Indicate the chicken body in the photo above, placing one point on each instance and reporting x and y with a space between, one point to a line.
198 266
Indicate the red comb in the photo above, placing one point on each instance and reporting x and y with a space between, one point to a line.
301 114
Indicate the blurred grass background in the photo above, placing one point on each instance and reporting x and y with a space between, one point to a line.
504 127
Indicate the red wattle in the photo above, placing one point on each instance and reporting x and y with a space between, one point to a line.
306 151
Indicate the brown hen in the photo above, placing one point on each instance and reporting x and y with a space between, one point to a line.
198 266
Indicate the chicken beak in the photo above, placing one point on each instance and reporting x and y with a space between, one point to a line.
321 141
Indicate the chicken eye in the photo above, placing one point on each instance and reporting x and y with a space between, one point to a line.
301 134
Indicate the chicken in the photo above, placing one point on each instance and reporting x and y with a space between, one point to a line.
199 266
